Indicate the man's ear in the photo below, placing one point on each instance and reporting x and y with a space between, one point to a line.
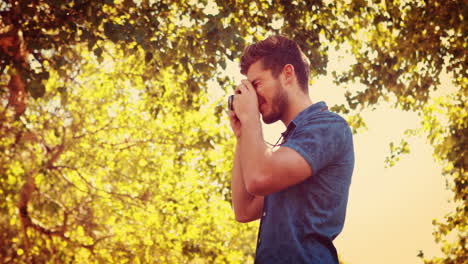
289 74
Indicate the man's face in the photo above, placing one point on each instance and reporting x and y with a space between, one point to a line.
272 98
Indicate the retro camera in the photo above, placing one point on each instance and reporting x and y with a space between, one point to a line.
230 102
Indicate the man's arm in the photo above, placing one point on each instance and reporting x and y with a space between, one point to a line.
266 171
263 170
247 207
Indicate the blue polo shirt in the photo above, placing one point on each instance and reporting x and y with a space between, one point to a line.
299 224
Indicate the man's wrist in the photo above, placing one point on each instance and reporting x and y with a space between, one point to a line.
251 127
251 123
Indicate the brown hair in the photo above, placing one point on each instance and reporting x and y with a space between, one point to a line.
275 52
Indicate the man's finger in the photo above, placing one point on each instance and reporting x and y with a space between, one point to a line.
243 88
248 85
232 114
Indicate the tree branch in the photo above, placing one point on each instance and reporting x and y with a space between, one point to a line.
27 222
121 196
96 131
57 150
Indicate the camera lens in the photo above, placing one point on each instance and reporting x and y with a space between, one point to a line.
230 102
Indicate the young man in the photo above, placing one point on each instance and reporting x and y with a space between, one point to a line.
300 190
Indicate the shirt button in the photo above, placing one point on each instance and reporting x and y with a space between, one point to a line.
264 214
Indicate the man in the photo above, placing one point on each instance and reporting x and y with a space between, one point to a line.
300 190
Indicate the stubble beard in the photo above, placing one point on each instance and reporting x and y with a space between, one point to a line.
278 106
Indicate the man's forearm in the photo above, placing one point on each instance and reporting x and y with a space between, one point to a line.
247 207
240 197
254 154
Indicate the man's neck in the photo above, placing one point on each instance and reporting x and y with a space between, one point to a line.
296 104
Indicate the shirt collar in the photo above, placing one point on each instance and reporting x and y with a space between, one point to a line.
311 110
306 113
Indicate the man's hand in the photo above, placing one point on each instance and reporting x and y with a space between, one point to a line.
235 124
246 102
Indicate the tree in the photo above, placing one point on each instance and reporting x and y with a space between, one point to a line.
94 174
73 155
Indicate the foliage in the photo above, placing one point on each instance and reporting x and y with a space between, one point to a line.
112 150
450 141
108 181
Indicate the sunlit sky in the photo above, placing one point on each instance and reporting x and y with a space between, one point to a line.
390 210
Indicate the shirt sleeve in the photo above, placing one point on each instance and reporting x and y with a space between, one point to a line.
318 143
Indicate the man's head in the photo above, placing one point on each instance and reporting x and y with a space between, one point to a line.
274 53
273 66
